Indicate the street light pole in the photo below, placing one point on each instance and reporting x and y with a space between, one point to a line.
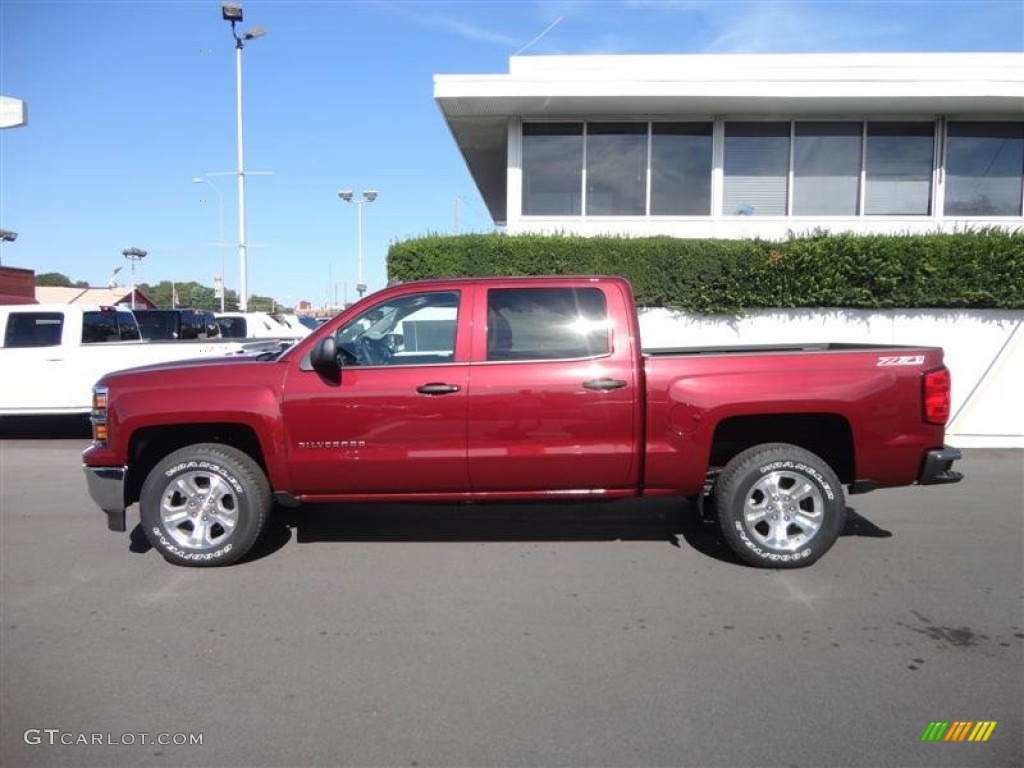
233 12
133 255
220 235
243 265
368 196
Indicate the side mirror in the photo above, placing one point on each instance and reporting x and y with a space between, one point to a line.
324 357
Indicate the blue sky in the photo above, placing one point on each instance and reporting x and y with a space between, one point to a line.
129 101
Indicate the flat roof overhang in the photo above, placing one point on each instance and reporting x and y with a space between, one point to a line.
477 108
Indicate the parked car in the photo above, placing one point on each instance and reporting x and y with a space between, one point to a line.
177 323
255 325
517 389
292 322
52 354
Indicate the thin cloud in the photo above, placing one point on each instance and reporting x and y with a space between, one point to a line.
763 26
453 23
785 26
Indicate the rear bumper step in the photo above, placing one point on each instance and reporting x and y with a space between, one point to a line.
938 467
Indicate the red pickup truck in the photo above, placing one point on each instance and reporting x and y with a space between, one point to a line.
515 389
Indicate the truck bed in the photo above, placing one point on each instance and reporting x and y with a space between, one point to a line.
769 349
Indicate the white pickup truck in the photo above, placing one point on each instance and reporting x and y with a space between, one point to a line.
260 325
52 354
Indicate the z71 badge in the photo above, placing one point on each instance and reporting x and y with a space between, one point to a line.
901 360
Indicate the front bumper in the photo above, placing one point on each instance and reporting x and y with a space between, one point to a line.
106 486
937 467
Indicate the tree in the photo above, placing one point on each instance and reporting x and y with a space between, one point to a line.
191 294
266 304
51 279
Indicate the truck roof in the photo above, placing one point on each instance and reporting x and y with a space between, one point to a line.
496 279
68 308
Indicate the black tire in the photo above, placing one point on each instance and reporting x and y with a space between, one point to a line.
205 505
779 506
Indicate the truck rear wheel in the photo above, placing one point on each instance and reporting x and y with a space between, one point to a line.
205 505
779 506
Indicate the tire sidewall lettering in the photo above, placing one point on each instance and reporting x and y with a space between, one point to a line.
168 546
802 468
208 466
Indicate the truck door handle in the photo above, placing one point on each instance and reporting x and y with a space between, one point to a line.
603 385
437 388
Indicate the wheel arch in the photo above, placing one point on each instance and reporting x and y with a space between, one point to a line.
150 444
828 435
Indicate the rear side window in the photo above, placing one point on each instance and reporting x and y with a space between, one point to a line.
33 329
209 328
232 327
546 323
99 326
109 325
191 326
127 327
154 324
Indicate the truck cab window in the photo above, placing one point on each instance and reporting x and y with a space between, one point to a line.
127 327
232 327
99 326
417 329
191 325
33 329
546 323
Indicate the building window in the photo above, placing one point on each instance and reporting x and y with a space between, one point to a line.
616 169
984 169
826 168
552 169
777 168
681 169
756 169
898 165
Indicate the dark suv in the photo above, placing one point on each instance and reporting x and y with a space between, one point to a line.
177 324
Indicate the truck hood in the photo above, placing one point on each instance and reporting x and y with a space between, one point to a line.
202 372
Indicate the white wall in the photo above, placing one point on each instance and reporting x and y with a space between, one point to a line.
742 227
984 351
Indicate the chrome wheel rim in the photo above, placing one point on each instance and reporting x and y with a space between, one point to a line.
199 510
783 511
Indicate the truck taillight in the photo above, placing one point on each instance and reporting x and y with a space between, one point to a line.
98 415
935 390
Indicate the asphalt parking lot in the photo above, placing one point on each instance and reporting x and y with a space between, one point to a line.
605 635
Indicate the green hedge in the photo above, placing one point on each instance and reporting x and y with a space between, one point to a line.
977 269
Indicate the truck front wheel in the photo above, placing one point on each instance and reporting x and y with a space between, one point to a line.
779 506
205 505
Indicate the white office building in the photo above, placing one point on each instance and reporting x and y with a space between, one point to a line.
734 146
739 146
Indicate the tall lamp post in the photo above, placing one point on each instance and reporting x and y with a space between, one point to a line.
7 236
220 234
233 12
133 255
368 196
